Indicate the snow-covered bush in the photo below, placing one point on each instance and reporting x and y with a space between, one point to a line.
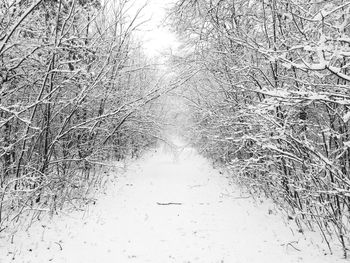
75 90
276 107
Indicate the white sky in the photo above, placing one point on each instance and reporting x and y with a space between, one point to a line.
156 36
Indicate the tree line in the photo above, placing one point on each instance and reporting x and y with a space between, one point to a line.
75 90
271 100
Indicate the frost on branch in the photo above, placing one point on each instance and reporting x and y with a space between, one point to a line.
275 76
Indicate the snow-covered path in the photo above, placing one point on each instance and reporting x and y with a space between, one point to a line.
166 209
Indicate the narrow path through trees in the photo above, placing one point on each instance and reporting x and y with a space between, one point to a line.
168 208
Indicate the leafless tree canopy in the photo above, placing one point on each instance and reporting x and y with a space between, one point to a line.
271 100
266 85
75 90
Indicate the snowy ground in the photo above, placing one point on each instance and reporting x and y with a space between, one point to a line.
167 208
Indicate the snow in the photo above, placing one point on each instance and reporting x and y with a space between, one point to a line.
346 117
169 206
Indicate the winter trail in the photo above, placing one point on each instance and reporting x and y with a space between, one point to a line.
166 209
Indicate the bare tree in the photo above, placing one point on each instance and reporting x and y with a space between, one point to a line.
278 75
75 87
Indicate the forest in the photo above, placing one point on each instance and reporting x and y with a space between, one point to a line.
263 85
271 100
76 90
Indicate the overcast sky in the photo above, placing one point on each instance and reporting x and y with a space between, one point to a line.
156 36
